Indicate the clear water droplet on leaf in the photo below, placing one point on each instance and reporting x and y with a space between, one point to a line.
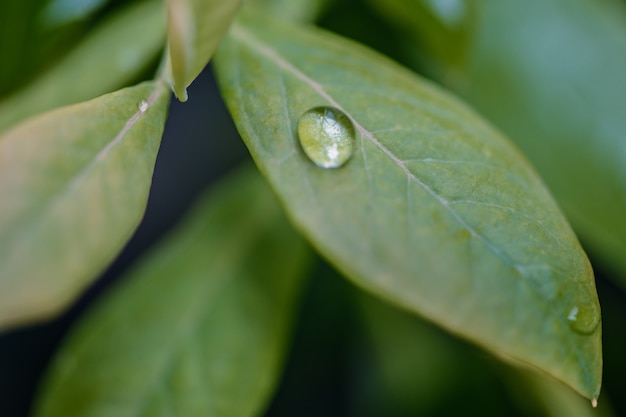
584 319
143 106
327 136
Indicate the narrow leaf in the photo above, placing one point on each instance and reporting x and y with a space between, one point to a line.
199 328
113 55
558 90
434 211
195 29
74 185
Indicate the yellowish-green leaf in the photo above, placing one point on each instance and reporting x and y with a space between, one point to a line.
435 210
195 29
199 328
109 58
74 185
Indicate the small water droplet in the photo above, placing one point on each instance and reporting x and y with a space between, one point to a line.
327 136
584 320
594 403
143 106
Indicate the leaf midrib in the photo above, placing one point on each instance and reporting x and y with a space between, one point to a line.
34 217
270 53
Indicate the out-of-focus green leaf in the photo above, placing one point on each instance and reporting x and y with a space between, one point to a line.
440 28
555 400
195 29
435 211
110 57
61 12
295 10
422 369
74 185
199 328
551 74
26 47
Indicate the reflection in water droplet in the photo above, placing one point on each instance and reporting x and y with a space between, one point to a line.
143 106
584 320
327 136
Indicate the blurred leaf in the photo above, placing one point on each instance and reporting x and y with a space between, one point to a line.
551 74
441 27
74 185
435 211
110 57
422 368
195 29
26 47
556 400
60 12
199 328
295 10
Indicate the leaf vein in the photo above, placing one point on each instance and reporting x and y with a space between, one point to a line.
271 54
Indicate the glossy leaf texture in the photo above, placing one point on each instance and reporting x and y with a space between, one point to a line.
195 29
199 327
74 185
551 75
435 211
110 57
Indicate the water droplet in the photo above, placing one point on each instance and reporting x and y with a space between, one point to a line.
327 136
584 320
594 403
143 106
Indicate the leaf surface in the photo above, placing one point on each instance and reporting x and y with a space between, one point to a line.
74 185
199 327
195 29
110 57
435 211
551 75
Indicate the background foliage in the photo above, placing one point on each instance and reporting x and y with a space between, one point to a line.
352 354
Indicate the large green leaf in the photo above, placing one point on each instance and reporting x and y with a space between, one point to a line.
109 58
435 211
195 29
199 328
551 74
74 185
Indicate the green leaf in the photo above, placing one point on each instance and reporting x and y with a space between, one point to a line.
195 29
556 400
199 328
421 369
74 185
558 90
113 55
295 10
440 29
435 211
